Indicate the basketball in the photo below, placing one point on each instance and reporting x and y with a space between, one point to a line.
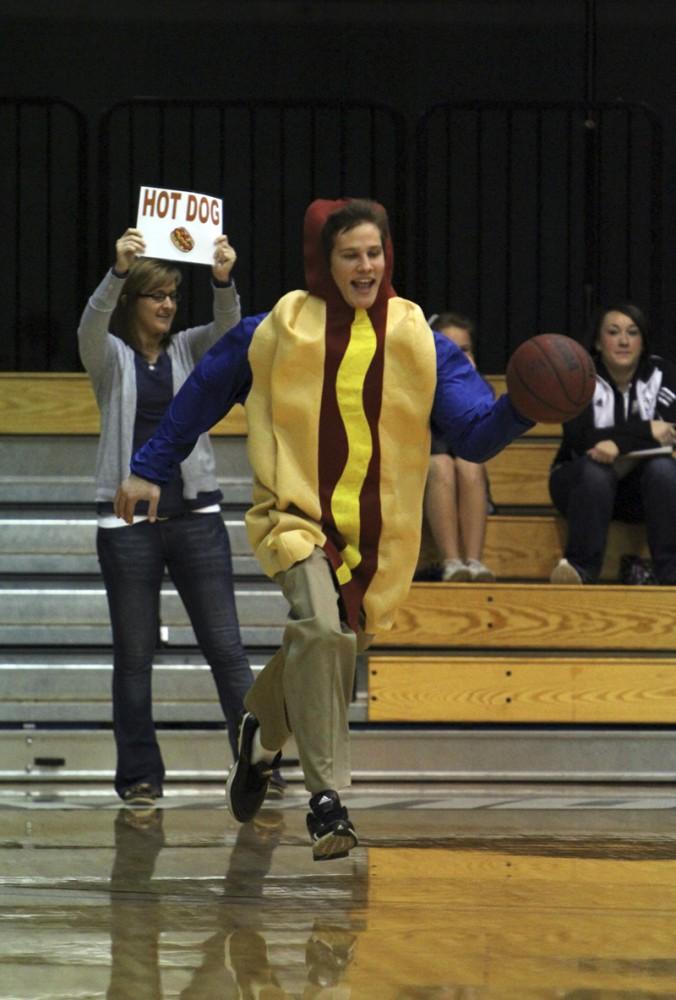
550 378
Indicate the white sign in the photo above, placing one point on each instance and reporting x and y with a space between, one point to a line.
179 225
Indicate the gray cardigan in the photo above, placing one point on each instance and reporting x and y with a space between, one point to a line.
110 365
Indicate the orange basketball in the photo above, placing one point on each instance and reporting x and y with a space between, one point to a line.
550 378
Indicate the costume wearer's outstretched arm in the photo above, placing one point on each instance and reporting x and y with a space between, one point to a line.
465 413
221 379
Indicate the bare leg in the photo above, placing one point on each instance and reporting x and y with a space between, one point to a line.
441 511
473 513
472 507
441 506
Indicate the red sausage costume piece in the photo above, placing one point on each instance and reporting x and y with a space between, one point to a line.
339 438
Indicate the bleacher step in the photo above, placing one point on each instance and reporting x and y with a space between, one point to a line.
520 473
533 616
84 603
64 544
540 723
528 547
48 469
494 689
69 533
518 546
82 697
508 754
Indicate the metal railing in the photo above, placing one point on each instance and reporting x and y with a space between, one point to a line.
43 185
531 214
523 215
267 160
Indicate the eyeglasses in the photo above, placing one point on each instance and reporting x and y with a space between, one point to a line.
160 296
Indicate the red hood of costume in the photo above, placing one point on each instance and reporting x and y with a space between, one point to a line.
317 272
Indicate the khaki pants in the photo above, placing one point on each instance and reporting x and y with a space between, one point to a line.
306 687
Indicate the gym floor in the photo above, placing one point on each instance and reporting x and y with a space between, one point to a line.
468 891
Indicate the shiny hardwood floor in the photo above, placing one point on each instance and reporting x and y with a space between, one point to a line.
462 892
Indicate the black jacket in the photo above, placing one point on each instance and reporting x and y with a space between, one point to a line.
652 396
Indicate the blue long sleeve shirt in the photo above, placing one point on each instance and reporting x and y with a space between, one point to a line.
464 411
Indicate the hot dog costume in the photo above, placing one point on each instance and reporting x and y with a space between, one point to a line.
339 434
339 403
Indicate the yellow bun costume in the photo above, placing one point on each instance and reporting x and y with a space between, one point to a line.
339 437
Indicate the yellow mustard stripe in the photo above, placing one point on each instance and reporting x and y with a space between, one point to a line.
349 392
343 574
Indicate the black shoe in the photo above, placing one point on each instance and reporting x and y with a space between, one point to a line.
142 794
247 782
329 826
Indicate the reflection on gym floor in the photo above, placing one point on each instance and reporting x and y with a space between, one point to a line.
455 894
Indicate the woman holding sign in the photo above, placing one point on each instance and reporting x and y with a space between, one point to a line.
135 372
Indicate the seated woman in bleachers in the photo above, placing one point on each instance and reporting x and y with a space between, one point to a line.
596 475
456 495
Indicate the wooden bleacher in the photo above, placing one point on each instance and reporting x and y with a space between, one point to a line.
522 650
523 540
544 688
517 651
58 403
534 653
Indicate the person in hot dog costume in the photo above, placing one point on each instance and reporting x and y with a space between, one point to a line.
341 384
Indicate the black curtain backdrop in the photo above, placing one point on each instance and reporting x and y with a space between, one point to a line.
407 55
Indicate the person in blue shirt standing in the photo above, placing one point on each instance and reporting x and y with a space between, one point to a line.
342 383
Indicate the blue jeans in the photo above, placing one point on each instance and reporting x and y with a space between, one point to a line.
196 551
590 495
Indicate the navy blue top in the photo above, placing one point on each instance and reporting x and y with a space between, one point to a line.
154 393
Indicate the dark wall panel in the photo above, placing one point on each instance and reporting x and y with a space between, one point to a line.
408 55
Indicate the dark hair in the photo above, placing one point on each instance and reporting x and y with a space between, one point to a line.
145 275
440 320
352 214
635 314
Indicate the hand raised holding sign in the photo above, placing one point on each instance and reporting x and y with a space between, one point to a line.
129 246
224 259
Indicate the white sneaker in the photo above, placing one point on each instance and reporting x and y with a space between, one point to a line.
478 573
563 572
455 571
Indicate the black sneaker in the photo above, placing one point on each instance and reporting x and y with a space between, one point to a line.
329 826
247 782
141 794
